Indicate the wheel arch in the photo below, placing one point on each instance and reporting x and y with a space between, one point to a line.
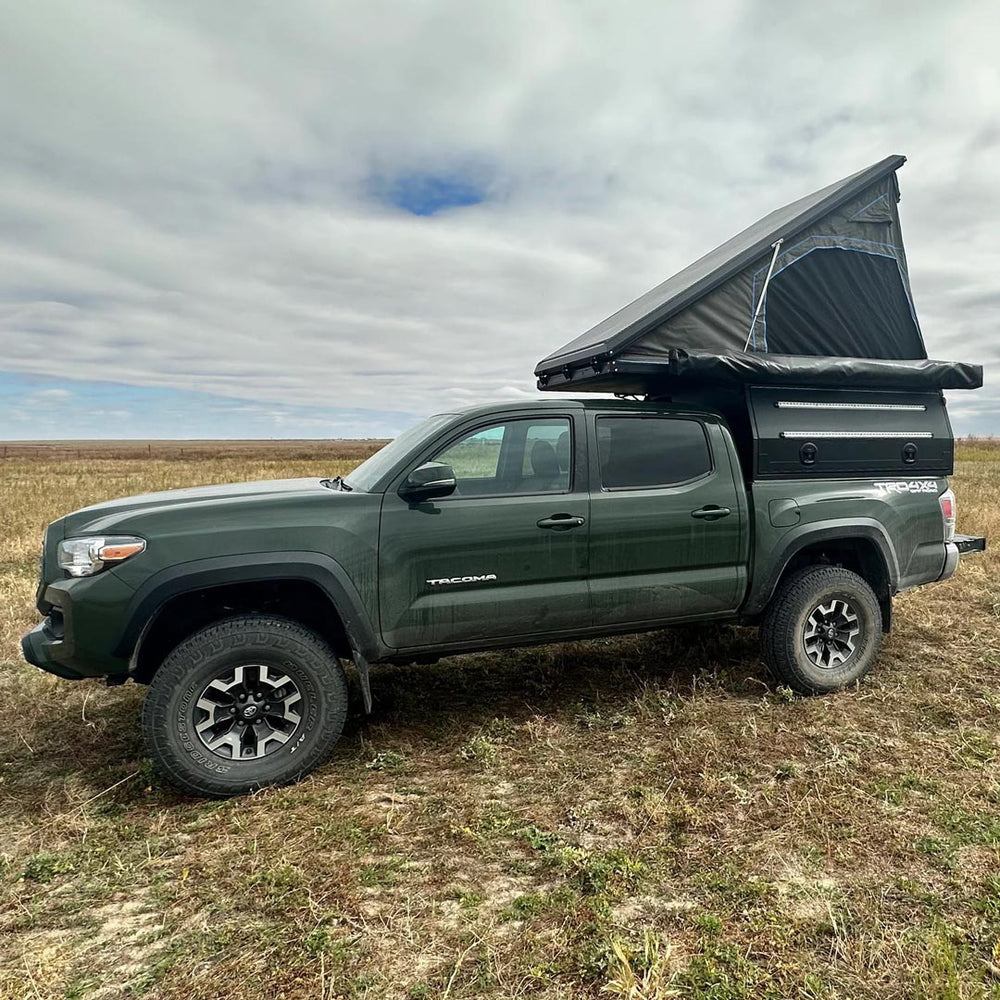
308 587
862 547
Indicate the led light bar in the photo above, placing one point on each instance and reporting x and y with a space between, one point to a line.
787 404
878 435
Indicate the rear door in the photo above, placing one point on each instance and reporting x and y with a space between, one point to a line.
666 524
506 554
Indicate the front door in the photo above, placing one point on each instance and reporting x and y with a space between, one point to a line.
506 554
666 525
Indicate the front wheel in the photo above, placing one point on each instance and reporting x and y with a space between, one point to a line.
246 702
822 629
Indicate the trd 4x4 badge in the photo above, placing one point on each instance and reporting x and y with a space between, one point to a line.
913 486
484 578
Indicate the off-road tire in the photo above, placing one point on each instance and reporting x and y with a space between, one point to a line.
788 620
287 649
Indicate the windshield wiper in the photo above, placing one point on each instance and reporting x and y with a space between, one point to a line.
337 483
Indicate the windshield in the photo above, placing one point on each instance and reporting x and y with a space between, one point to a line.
370 471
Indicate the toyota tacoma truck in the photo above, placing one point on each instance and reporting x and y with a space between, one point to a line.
779 459
496 526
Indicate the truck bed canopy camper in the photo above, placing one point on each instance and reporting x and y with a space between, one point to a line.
801 330
814 294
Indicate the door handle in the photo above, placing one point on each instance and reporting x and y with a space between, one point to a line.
562 522
711 512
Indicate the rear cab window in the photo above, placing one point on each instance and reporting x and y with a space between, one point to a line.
648 452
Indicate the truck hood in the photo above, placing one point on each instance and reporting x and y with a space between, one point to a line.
102 516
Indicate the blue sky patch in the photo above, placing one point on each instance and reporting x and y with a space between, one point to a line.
40 408
427 193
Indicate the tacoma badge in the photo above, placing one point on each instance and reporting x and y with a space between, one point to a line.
485 578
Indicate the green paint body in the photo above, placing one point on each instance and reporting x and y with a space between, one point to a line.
638 561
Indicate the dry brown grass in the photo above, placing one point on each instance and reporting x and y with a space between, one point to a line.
646 813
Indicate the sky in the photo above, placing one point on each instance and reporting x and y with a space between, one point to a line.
332 218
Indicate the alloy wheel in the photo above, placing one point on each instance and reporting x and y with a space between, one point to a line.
830 633
248 712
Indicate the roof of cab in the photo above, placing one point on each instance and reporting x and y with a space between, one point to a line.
542 404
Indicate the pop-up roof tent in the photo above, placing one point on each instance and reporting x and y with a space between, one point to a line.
814 294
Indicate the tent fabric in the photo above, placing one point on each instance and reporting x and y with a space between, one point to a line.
842 372
663 374
838 288
879 210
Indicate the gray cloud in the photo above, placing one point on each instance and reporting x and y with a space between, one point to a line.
187 196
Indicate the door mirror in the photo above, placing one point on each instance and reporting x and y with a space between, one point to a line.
427 481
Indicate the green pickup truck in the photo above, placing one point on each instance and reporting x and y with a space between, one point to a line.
789 473
497 526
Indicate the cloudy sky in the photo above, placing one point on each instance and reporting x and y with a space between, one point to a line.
325 219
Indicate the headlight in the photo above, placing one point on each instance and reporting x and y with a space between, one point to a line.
87 556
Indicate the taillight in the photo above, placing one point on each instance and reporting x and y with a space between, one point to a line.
947 501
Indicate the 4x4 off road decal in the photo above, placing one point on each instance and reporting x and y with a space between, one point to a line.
914 486
484 578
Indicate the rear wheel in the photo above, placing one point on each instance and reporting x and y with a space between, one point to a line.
822 629
246 702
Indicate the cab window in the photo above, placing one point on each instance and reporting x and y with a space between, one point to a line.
532 455
639 452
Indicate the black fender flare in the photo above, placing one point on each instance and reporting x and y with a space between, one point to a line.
258 567
796 539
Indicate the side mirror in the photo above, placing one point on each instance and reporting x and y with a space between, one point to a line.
427 481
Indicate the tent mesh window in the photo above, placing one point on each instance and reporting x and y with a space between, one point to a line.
836 302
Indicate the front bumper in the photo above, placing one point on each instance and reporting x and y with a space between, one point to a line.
44 649
956 548
76 638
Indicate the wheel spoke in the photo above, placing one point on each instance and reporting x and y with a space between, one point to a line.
275 682
290 714
279 737
207 705
225 686
229 739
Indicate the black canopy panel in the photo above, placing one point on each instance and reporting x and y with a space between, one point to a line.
823 278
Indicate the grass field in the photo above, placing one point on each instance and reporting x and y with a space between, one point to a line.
642 817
